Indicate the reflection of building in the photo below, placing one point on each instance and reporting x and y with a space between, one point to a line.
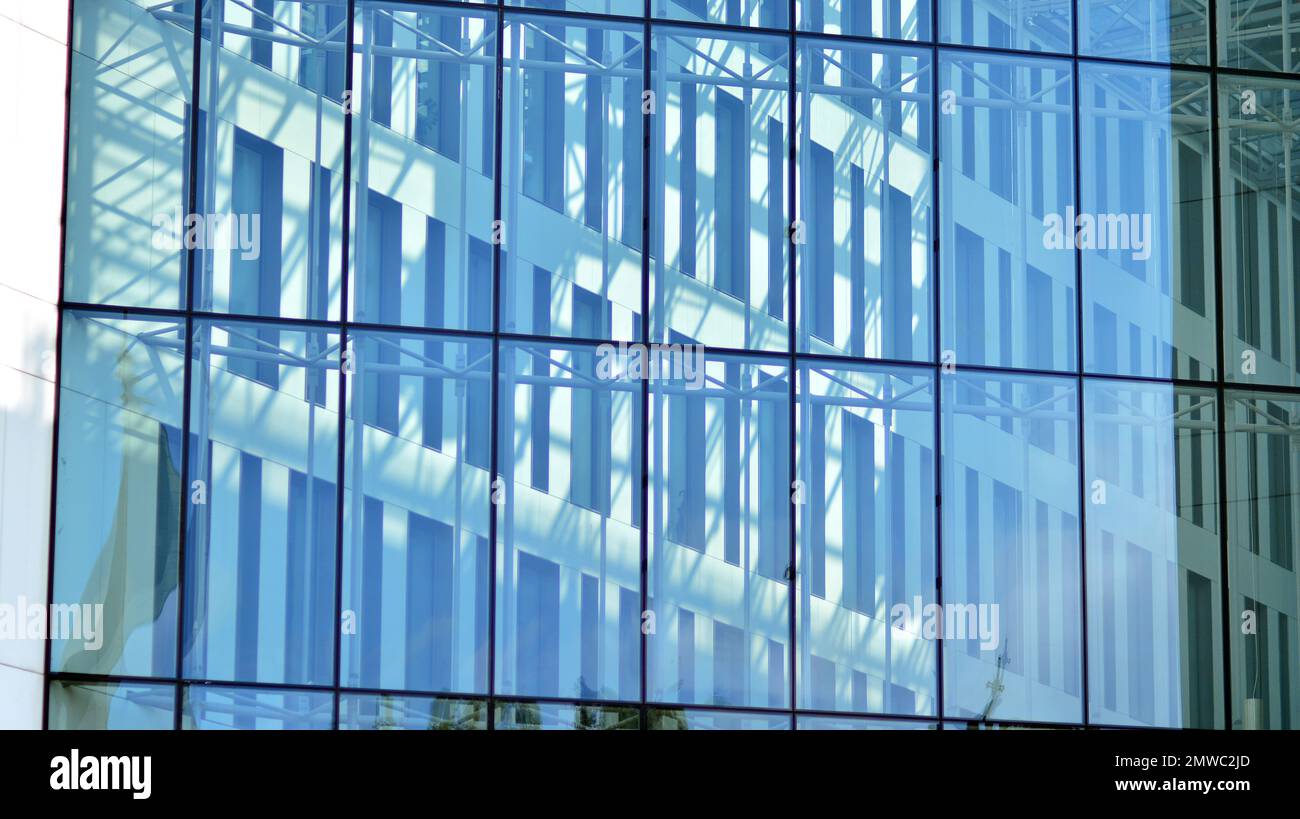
506 538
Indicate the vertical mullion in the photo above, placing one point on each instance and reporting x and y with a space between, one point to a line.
346 359
495 390
792 470
936 227
644 442
1221 374
1077 113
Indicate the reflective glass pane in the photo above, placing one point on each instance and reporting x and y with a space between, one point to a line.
551 716
1162 31
260 553
1011 590
117 523
866 539
1259 34
1260 140
625 8
225 708
849 724
423 136
111 706
1155 629
270 151
720 554
365 712
1146 230
766 13
415 525
1025 25
568 526
692 720
865 189
1006 178
128 153
720 215
1263 472
573 187
892 19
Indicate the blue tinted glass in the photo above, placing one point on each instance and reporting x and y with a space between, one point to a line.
1259 140
1162 31
415 524
720 555
766 13
550 716
270 160
866 539
1011 588
1146 227
573 182
260 551
1039 26
693 720
423 154
1258 35
1008 281
225 708
864 265
117 524
848 724
720 215
626 8
1262 478
1154 623
568 525
366 712
128 156
111 706
891 19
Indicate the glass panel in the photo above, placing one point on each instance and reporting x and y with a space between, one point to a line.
573 181
547 716
866 539
847 724
1259 34
568 534
261 543
891 19
117 522
128 153
1008 284
111 706
1263 508
720 553
1011 591
364 712
1155 628
1041 25
720 222
1162 31
865 131
624 8
270 149
682 720
1260 140
415 528
423 151
1146 230
766 13
224 708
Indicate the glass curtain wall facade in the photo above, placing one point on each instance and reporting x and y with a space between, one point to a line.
997 420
